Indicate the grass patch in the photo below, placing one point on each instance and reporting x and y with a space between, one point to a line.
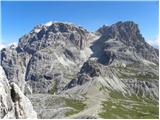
77 106
147 76
129 107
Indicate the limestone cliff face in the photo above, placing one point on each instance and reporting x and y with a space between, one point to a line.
43 36
13 103
123 41
122 61
46 56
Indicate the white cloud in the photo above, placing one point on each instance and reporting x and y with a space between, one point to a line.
2 45
154 42
48 23
14 43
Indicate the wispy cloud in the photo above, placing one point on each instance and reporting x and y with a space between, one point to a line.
2 45
154 42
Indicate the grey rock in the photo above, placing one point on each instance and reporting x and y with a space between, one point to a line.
22 105
43 53
47 35
14 65
48 106
79 80
6 104
13 103
91 67
144 88
123 41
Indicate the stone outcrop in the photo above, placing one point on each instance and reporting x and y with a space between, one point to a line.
14 65
13 103
6 104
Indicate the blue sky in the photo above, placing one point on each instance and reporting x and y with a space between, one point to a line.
18 18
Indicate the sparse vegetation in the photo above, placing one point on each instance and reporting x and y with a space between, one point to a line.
131 71
53 90
147 76
77 106
101 88
120 106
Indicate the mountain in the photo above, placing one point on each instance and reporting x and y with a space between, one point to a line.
123 40
69 72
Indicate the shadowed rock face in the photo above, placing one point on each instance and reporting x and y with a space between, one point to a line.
14 65
91 67
123 41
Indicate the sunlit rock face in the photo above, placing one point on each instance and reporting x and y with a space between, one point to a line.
13 103
6 103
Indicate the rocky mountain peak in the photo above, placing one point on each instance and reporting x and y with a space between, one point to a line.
125 38
127 24
122 30
51 33
59 27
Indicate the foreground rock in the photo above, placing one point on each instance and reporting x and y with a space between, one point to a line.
13 103
7 109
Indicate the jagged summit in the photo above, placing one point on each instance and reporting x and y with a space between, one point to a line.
50 33
57 25
123 41
127 32
121 28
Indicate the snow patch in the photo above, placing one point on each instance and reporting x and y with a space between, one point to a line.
48 23
37 30
154 42
2 46
14 44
